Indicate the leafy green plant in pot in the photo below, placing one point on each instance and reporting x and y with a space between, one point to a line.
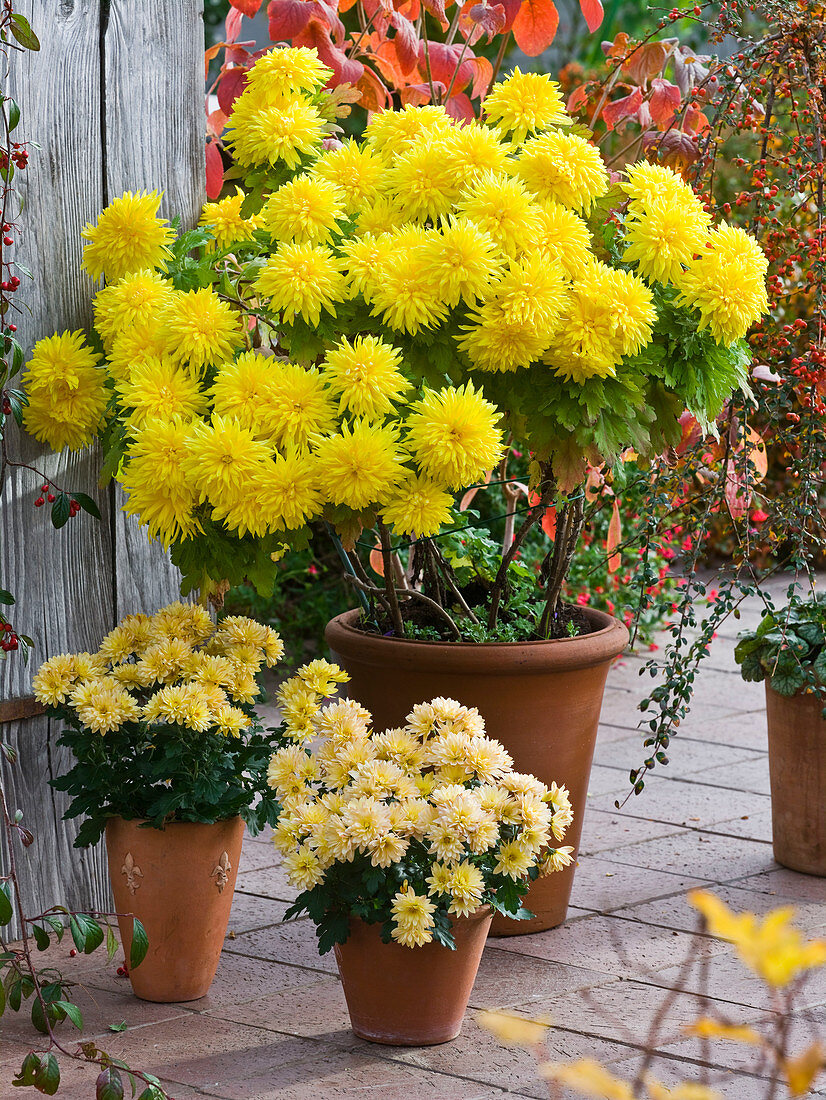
788 652
369 330
170 761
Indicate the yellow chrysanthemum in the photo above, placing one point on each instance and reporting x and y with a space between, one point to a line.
398 289
304 209
564 238
202 329
243 388
287 71
647 183
286 131
460 261
513 859
302 280
631 309
504 209
466 885
735 245
497 341
159 388
179 705
66 391
360 465
158 491
146 339
563 168
104 706
298 408
474 150
54 681
356 171
231 721
388 133
283 494
128 236
222 457
413 918
365 375
226 223
418 507
664 237
452 435
361 255
137 298
525 103
380 215
423 180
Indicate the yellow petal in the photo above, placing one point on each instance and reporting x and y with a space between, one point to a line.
588 1078
513 1030
801 1071
707 1028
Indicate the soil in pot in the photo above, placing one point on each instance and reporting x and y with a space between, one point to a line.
410 996
179 883
542 700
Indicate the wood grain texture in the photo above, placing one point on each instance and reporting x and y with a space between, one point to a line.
115 104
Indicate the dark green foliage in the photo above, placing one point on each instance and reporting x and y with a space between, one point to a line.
788 648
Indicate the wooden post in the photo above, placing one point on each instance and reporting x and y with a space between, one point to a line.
115 100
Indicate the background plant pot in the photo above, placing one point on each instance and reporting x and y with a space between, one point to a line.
797 768
410 996
179 883
540 699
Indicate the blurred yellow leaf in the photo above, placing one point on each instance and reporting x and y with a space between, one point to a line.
686 1091
513 1030
801 1071
707 1028
588 1078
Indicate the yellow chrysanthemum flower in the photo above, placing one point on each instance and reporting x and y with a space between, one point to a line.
460 261
734 244
104 705
361 465
466 886
365 375
413 918
631 310
727 284
288 493
663 239
242 390
222 457
513 859
287 71
226 223
54 681
301 280
380 215
128 236
452 435
418 507
230 721
202 329
286 131
137 298
564 168
564 238
398 288
388 133
504 209
525 103
497 341
423 180
473 150
361 255
304 209
356 171
66 391
159 388
647 183
158 491
298 408
145 339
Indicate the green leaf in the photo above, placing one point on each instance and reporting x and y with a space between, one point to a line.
140 944
61 510
39 1017
118 1027
109 1085
25 1075
13 113
2 998
111 944
56 925
15 995
47 1076
87 504
6 597
41 937
5 904
72 1011
22 31
86 933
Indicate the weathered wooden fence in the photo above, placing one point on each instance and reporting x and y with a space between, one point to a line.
114 99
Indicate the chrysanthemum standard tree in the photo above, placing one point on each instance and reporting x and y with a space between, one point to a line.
366 329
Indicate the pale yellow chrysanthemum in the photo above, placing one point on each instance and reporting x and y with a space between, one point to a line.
231 721
387 849
365 375
226 222
475 149
299 408
66 391
222 457
287 71
303 868
513 860
438 879
128 236
366 819
419 507
118 645
179 705
354 169
301 280
361 465
413 918
504 209
399 746
305 209
287 130
54 680
388 133
453 437
137 298
210 669
460 261
321 676
145 339
189 621
202 329
466 886
663 239
487 759
563 168
525 103
423 180
242 390
556 859
444 843
165 660
564 238
160 389
241 630
104 705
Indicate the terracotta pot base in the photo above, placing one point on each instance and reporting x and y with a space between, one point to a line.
410 996
179 883
540 699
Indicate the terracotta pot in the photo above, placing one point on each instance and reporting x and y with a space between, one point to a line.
410 996
540 699
179 883
797 768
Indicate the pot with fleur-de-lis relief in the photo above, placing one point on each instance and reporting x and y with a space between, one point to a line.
179 882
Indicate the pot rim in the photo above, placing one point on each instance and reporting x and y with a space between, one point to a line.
154 829
495 658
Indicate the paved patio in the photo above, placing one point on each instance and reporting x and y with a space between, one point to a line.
275 1024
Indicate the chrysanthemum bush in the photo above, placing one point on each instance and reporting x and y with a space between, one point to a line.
409 827
366 328
161 721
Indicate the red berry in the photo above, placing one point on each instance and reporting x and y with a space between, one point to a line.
50 498
12 642
12 328
39 502
45 487
8 240
73 952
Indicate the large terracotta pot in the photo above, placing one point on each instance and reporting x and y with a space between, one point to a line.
797 768
410 996
179 883
540 699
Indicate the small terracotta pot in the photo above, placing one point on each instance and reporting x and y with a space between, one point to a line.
540 699
410 996
797 769
179 883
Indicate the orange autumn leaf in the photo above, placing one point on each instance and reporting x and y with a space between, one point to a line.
614 539
535 26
